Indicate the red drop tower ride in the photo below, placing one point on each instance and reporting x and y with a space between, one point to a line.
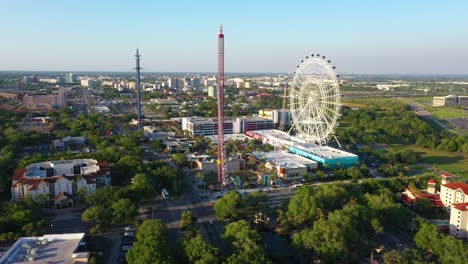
223 177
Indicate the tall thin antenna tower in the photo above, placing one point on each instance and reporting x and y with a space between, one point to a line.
281 127
223 177
138 87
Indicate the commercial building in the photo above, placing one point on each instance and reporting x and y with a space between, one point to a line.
324 155
214 138
54 248
69 142
57 99
449 100
51 178
209 165
37 124
244 124
201 126
288 166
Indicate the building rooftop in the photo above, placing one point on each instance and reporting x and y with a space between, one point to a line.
55 248
286 159
461 206
227 137
39 170
457 185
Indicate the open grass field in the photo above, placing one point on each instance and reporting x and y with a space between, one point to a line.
447 112
455 163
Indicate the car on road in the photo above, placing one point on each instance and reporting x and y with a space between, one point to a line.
129 234
129 228
211 221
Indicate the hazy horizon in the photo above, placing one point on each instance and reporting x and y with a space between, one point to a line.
359 36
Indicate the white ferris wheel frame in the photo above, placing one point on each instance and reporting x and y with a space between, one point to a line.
314 97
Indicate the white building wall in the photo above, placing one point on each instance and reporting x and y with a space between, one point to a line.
449 196
459 223
62 185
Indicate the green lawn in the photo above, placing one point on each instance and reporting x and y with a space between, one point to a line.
454 163
447 112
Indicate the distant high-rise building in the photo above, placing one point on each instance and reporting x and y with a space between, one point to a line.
70 78
172 83
195 82
89 83
212 91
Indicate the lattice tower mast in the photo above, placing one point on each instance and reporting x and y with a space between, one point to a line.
223 177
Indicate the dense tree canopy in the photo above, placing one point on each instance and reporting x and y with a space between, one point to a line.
151 244
227 207
247 244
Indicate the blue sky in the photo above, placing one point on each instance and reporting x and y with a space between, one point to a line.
359 36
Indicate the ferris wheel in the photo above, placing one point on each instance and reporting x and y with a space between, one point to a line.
314 99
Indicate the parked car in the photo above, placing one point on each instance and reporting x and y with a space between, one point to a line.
129 228
129 234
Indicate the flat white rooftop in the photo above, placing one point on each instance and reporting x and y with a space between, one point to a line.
286 160
274 137
227 137
56 248
38 170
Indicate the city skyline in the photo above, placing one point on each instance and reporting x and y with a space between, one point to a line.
421 37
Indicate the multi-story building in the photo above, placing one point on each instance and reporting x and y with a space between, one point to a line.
209 126
90 83
70 78
205 126
454 197
453 193
212 91
173 83
107 82
244 124
51 178
459 220
39 101
275 115
209 82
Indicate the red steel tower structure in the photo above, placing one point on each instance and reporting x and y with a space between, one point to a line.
223 177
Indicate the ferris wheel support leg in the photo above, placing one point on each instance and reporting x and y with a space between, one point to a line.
337 141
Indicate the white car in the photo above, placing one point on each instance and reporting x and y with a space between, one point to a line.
129 233
129 228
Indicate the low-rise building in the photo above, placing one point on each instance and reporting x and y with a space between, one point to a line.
51 178
289 166
69 142
54 248
210 165
449 100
